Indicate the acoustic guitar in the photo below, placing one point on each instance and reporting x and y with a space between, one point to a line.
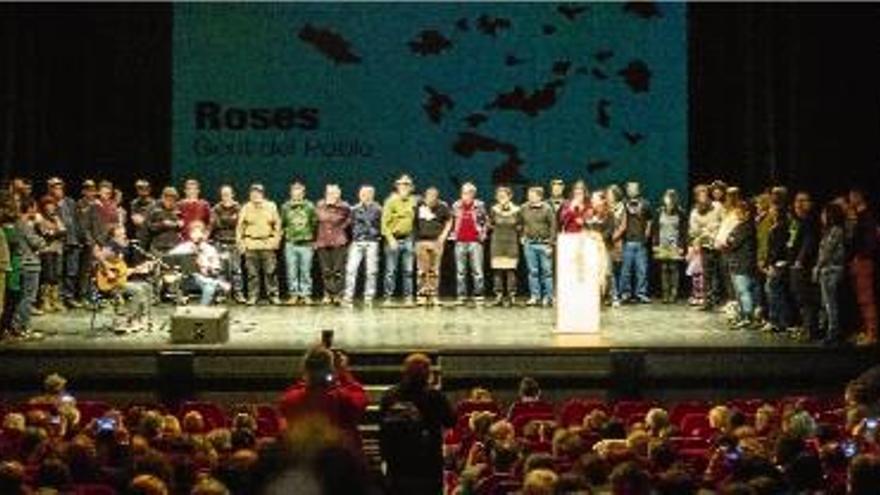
111 275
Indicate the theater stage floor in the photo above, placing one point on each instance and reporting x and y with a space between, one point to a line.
453 329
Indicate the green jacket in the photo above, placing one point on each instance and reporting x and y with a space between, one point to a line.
298 221
398 217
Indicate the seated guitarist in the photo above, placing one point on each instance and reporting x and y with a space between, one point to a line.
116 278
207 259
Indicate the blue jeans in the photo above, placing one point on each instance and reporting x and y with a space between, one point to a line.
30 284
469 257
540 268
778 311
744 286
635 258
403 258
368 253
829 283
208 287
298 258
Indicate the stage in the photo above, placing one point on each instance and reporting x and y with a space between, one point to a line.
398 329
651 350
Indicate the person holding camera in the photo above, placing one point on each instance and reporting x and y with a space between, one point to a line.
327 390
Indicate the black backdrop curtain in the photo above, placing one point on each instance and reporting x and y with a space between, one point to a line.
85 91
778 93
785 93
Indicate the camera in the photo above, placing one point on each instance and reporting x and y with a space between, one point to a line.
106 424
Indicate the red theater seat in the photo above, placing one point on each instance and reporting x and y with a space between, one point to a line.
467 407
574 410
695 425
534 407
682 409
91 409
623 410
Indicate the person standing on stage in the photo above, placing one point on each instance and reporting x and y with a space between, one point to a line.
600 222
614 197
703 225
398 218
164 223
85 214
538 237
224 220
863 252
574 212
670 242
776 269
635 240
139 210
505 222
72 249
28 247
192 207
334 218
803 249
105 213
366 226
51 227
469 227
739 248
299 222
829 269
557 195
258 235
433 222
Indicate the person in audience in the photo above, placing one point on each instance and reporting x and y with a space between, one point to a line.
327 390
670 241
412 415
433 222
469 227
829 269
299 224
366 232
224 220
657 423
862 255
147 484
331 242
538 237
505 224
258 236
863 476
193 208
540 482
398 220
164 223
629 479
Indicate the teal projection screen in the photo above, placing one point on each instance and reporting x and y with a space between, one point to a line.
495 93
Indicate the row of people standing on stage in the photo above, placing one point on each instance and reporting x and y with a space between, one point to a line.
762 254
782 264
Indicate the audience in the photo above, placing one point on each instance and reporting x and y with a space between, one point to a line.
793 445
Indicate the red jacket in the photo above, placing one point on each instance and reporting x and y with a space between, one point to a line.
343 404
573 219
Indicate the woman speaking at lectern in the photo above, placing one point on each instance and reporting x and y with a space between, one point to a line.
581 264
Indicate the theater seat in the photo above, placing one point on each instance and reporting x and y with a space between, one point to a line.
624 409
91 409
573 410
695 425
533 407
467 407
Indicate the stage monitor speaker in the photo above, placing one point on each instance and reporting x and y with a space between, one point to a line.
200 325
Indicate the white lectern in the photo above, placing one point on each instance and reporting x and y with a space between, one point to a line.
581 262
